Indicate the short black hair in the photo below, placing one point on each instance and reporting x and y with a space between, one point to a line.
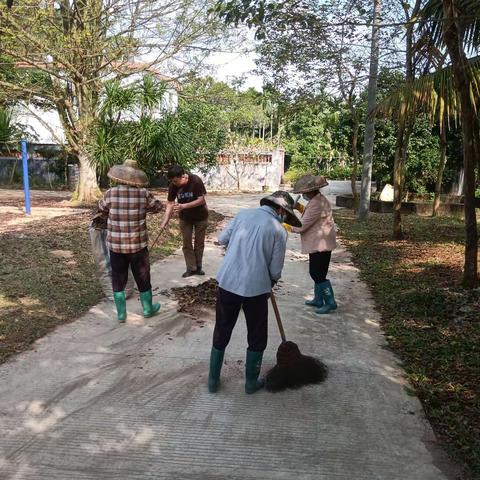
175 171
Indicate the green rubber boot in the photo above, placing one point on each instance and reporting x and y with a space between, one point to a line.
252 371
121 304
148 309
328 298
216 362
317 300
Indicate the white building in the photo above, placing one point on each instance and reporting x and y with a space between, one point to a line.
46 126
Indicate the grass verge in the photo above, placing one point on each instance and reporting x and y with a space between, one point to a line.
430 321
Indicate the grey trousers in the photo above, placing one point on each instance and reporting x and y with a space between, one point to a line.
193 234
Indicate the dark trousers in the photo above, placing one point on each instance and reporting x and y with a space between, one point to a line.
140 265
256 314
319 263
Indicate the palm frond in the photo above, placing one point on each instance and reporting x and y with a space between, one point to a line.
117 98
467 14
434 94
10 131
150 93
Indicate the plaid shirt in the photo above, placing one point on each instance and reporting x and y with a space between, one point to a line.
127 209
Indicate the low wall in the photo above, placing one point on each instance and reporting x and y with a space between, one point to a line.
238 175
418 208
46 166
41 172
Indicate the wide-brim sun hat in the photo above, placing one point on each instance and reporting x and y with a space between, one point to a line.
128 174
278 200
309 183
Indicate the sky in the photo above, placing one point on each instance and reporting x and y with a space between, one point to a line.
230 65
240 62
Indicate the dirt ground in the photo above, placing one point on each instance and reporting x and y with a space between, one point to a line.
45 204
41 198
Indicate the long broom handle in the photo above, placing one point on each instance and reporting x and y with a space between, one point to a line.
277 316
156 239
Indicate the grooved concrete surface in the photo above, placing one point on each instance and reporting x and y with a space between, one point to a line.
96 400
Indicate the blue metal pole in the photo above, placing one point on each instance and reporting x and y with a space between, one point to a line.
26 187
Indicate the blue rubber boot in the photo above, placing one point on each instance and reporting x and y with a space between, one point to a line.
216 362
149 309
317 300
328 298
121 304
252 371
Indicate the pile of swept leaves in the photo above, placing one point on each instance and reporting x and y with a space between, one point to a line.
430 321
191 298
214 220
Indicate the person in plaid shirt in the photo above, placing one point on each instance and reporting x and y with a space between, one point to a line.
126 206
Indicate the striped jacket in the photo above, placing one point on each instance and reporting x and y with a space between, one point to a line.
127 208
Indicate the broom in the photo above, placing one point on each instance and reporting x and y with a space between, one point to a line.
293 370
157 238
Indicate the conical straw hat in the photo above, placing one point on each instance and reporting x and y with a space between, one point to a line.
309 183
129 174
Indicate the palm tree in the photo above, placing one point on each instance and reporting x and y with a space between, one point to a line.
132 124
455 26
452 26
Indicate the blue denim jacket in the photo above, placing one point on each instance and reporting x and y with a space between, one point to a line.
256 242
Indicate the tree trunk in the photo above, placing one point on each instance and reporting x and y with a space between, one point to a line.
364 206
401 150
237 173
87 188
470 272
441 168
454 40
12 175
353 179
404 128
398 167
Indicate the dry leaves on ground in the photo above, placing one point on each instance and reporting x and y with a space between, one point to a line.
191 298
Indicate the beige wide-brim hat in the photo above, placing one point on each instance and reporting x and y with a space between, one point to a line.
281 201
128 174
309 183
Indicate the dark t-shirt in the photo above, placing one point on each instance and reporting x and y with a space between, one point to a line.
190 192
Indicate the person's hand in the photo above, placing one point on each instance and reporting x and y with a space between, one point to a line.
99 221
180 207
287 227
298 206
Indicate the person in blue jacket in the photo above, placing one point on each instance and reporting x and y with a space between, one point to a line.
256 244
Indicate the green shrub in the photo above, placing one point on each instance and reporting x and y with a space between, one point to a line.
294 173
338 172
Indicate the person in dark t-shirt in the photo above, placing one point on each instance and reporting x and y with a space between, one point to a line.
189 191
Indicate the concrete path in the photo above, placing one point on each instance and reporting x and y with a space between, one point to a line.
96 400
